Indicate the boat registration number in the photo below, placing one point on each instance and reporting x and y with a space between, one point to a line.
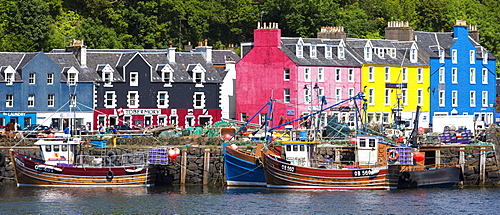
287 168
362 172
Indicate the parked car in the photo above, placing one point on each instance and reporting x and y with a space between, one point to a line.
33 130
122 127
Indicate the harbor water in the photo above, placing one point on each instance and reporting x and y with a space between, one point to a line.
220 200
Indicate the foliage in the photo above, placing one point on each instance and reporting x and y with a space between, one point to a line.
42 25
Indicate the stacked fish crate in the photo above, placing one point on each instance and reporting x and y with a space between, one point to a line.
158 155
460 136
400 155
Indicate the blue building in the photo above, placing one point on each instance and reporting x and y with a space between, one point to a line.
462 72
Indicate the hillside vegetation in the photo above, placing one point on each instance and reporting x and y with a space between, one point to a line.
42 25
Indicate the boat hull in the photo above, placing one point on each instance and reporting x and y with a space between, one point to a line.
30 172
243 169
280 174
441 177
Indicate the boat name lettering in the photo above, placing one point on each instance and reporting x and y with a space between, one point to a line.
287 168
141 111
43 168
362 172
18 161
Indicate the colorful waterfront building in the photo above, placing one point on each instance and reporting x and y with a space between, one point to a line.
296 73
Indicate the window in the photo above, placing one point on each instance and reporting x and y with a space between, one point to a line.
134 79
485 57
404 97
387 74
32 78
286 72
321 74
328 52
338 75
307 74
50 78
484 99
454 74
420 75
313 51
413 55
162 99
441 75
72 78
472 56
350 75
371 74
404 74
472 75
72 101
166 77
9 100
107 78
286 95
454 56
199 100
338 94
9 77
109 100
50 100
133 99
387 97
441 55
341 52
454 98
299 50
307 95
371 96
420 97
484 76
368 53
472 96
243 117
441 98
350 92
31 100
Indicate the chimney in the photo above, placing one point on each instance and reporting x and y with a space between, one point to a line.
205 50
267 35
171 55
83 55
474 33
400 31
187 47
460 29
79 50
330 32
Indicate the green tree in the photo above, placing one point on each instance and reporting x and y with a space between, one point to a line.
97 36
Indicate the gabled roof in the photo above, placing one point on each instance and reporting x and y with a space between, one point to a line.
66 60
221 56
402 48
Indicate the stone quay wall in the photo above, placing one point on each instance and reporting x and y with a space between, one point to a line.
201 160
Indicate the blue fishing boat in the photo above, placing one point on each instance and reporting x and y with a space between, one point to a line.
243 168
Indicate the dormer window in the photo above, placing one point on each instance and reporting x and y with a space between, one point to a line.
299 48
166 77
72 77
198 74
368 53
485 57
107 78
392 53
9 77
413 55
328 52
380 52
441 55
313 51
341 52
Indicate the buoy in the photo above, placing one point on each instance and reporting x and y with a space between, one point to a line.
227 136
353 141
51 135
393 154
418 156
177 151
171 154
234 146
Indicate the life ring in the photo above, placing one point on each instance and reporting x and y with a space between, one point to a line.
111 156
110 175
393 155
2 159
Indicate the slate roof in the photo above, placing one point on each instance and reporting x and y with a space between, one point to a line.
221 56
66 60
430 42
356 46
17 60
288 46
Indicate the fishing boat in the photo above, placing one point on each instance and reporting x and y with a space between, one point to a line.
63 164
443 177
243 168
297 168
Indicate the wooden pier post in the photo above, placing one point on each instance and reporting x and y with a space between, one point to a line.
461 161
438 158
482 165
183 167
206 166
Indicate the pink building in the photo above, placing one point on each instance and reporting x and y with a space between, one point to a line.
296 72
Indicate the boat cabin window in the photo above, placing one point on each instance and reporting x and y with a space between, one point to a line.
362 143
48 148
371 143
64 148
302 148
295 148
289 148
56 148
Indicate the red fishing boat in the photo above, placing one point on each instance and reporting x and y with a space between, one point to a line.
62 164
